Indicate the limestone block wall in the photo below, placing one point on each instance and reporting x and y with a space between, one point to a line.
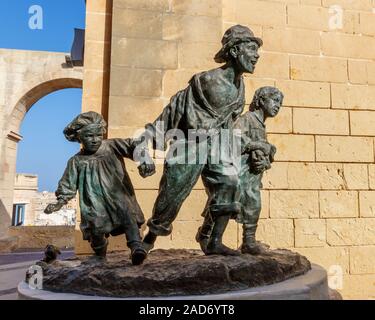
320 191
319 196
38 237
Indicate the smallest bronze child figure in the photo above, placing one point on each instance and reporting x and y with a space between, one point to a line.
257 158
257 154
106 195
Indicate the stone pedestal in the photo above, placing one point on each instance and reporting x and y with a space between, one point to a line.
182 274
310 286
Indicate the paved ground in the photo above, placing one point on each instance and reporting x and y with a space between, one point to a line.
13 267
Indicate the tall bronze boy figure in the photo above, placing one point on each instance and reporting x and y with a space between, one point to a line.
213 101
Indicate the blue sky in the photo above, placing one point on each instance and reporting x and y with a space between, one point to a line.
44 150
60 17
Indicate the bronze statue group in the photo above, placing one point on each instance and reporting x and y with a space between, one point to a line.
214 102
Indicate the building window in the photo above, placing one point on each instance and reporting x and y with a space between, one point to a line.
18 214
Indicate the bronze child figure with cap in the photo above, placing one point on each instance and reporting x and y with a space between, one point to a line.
212 101
258 154
106 195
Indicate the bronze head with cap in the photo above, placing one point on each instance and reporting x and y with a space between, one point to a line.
240 48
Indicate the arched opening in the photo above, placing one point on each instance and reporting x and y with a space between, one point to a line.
13 136
36 93
42 155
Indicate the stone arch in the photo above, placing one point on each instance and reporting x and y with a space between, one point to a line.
27 77
12 126
41 90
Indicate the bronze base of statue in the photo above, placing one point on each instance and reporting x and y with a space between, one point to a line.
173 272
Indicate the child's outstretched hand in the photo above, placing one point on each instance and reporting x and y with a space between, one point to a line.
146 169
52 207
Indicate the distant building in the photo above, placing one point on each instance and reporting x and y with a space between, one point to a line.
29 204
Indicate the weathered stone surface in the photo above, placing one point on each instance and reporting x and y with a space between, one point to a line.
322 69
196 7
367 26
318 17
344 149
316 176
171 272
283 123
351 232
188 58
8 244
272 65
353 97
357 71
291 40
367 204
251 85
96 25
294 204
268 13
136 82
156 5
277 178
320 121
356 176
148 54
270 230
287 145
189 28
305 94
338 204
371 176
37 237
310 232
361 123
357 287
137 23
328 257
362 260
349 4
346 45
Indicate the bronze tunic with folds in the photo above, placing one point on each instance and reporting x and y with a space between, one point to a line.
106 195
189 109
252 130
